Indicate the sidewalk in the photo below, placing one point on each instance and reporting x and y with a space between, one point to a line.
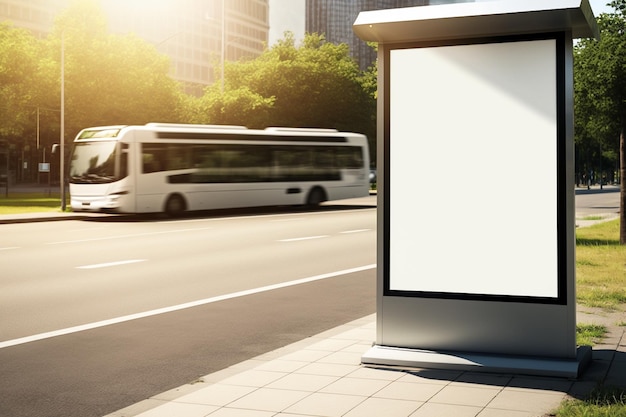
323 376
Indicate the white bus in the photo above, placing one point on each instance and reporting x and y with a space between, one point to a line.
175 168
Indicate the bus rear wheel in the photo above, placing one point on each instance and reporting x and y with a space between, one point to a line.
175 205
316 196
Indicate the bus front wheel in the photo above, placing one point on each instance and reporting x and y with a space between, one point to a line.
175 205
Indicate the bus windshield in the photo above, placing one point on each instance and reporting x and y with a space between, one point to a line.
93 162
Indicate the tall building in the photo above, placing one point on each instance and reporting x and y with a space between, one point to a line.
188 31
334 19
34 15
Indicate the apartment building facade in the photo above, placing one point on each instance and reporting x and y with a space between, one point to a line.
192 33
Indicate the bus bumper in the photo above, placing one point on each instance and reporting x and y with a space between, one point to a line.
91 203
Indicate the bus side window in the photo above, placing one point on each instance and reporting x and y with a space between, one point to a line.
350 157
178 157
152 156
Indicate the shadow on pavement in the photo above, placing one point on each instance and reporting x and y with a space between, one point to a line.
211 214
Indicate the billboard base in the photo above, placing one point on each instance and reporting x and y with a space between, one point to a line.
475 362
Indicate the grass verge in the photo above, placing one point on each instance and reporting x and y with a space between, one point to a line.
600 266
589 334
602 402
19 203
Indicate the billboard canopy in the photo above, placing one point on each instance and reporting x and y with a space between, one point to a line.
475 20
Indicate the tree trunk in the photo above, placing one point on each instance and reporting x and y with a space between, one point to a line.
622 180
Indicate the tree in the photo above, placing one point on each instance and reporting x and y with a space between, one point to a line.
239 106
109 79
18 74
600 93
22 94
315 84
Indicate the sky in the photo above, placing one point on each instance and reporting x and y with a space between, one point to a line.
599 6
288 15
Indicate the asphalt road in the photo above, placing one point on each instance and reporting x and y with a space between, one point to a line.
598 202
60 275
71 273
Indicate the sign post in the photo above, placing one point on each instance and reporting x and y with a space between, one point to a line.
481 275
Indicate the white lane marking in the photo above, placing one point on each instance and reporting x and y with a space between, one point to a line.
10 248
130 317
297 239
127 236
355 231
108 264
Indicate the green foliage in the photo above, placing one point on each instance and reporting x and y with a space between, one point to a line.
239 106
369 80
589 334
600 84
315 84
110 79
18 73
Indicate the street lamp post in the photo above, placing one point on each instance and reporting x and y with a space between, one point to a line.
223 48
62 134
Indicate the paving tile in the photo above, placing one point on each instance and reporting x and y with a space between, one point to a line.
439 410
267 399
376 373
355 386
330 369
302 382
237 412
358 347
409 391
305 355
516 400
358 335
344 358
291 415
581 389
217 394
617 374
596 371
432 376
463 395
331 345
620 355
488 412
480 379
539 384
179 409
379 407
254 378
279 365
602 354
416 379
327 405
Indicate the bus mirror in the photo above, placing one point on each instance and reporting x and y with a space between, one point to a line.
55 147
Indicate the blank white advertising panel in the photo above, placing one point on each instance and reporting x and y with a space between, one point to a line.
472 160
